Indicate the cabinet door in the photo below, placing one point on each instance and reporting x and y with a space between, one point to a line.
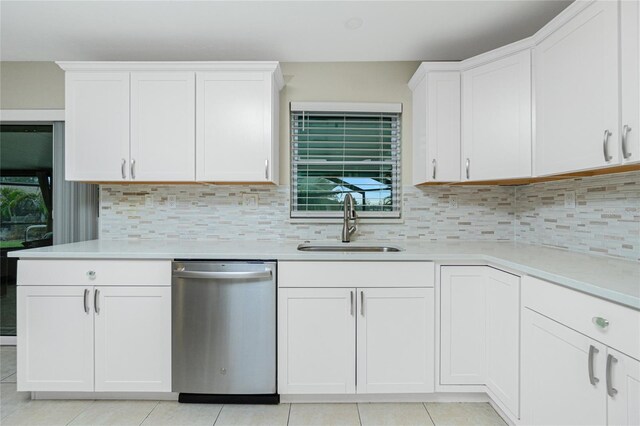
97 126
496 117
462 325
55 338
503 337
630 72
555 375
576 84
395 340
133 339
443 126
624 401
163 142
316 340
234 127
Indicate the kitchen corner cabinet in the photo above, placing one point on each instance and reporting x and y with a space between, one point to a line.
480 331
172 121
436 124
89 335
496 119
576 92
630 83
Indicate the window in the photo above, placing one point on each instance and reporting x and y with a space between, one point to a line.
338 149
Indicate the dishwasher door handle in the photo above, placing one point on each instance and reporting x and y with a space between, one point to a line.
223 275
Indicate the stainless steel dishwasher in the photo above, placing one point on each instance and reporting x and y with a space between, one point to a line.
224 331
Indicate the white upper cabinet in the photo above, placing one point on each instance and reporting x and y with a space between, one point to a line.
496 119
235 126
436 123
172 121
630 72
162 126
97 126
576 92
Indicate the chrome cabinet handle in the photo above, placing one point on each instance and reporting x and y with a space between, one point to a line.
133 168
434 164
361 302
611 391
468 163
96 298
605 145
600 322
592 351
352 300
625 137
91 275
266 169
86 301
123 169
267 273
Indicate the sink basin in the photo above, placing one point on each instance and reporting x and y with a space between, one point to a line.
361 248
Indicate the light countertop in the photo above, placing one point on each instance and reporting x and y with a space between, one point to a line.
616 280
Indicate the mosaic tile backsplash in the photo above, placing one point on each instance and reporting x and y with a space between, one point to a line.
606 219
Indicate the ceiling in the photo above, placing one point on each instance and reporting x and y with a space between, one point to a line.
288 31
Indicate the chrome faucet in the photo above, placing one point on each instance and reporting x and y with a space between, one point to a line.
349 215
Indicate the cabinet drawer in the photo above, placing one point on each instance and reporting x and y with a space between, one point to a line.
356 274
94 272
578 310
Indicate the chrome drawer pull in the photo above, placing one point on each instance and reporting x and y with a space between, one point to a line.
600 322
605 146
86 301
91 275
352 307
611 391
592 351
625 139
96 298
434 164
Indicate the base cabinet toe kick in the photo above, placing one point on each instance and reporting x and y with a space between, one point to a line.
350 331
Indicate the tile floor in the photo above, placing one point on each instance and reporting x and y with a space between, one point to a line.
17 409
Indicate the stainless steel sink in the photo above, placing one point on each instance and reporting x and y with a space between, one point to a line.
362 248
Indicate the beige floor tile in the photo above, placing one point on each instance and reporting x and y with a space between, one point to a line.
394 414
119 413
254 415
10 400
324 414
463 414
46 413
175 414
11 379
7 361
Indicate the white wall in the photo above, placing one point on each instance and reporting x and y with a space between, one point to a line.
40 85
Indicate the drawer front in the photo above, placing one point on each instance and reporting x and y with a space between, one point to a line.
356 274
94 272
579 311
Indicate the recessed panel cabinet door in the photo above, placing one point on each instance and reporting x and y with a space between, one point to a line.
97 126
133 339
630 72
496 119
462 325
163 141
233 135
556 384
395 340
55 338
316 340
576 85
624 396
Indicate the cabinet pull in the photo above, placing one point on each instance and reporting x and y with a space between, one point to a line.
592 351
351 304
266 169
133 168
600 322
605 146
625 138
361 302
123 169
611 391
96 298
86 301
468 163
434 164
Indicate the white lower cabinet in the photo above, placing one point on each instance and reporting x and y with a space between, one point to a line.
318 329
480 331
624 402
69 335
55 338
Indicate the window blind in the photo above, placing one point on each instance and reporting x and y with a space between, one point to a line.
338 152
